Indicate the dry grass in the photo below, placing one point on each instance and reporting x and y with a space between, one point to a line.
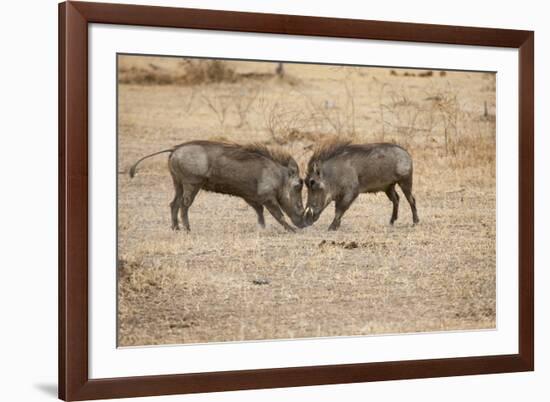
228 280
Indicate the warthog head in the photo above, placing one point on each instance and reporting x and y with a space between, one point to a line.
318 195
291 195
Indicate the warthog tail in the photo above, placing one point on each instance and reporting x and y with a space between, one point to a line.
134 166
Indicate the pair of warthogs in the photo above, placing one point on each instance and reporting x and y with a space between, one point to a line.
269 178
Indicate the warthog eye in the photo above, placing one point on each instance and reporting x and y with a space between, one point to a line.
311 183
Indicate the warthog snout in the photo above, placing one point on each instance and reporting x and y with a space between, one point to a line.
299 221
310 216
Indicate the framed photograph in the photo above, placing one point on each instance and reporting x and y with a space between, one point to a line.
259 200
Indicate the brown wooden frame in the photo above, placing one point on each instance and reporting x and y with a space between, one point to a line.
74 383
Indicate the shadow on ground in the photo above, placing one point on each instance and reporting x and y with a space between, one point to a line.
48 389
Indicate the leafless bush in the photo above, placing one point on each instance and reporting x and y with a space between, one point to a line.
282 121
400 114
219 105
207 71
243 103
189 72
336 116
436 118
188 101
446 106
146 76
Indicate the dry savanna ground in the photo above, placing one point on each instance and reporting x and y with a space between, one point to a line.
228 280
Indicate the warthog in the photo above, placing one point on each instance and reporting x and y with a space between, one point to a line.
262 177
341 171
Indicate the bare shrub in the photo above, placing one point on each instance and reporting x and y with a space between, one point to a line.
400 114
437 120
188 101
207 71
145 76
337 114
282 121
219 105
190 72
243 103
445 104
425 74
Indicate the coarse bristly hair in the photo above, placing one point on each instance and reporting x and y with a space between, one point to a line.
326 150
252 150
275 154
333 148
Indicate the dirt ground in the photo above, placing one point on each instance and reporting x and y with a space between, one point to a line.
229 280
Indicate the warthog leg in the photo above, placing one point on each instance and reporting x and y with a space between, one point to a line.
176 203
189 193
394 198
275 209
406 186
341 206
259 211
